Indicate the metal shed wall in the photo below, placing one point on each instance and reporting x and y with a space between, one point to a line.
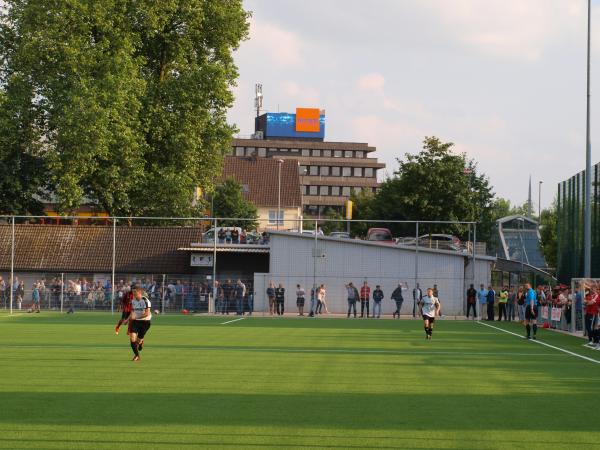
341 261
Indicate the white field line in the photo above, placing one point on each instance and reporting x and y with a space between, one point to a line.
234 320
543 343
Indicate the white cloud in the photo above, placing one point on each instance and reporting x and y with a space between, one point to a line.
517 30
283 47
371 82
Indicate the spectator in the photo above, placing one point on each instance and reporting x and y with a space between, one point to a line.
221 236
591 303
399 299
218 297
377 298
3 292
482 297
353 296
240 293
300 294
228 293
417 297
280 299
471 301
235 236
578 307
365 293
489 301
322 297
502 301
179 294
521 304
313 301
250 290
511 305
35 298
271 297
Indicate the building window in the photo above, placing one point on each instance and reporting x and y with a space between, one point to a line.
313 170
302 170
304 190
324 190
325 171
250 151
335 171
359 154
369 172
346 171
294 150
357 190
239 151
337 154
273 217
346 191
358 171
283 150
335 190
348 154
313 190
305 152
327 153
262 152
316 152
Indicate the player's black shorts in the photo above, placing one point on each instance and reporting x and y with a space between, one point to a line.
125 315
300 301
140 327
431 319
530 315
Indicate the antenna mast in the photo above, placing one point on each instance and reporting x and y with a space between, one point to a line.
258 98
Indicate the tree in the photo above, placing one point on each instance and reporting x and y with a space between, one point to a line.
435 185
126 98
548 235
229 202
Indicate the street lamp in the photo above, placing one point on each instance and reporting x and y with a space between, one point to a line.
540 202
279 163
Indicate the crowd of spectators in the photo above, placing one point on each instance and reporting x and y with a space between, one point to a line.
554 306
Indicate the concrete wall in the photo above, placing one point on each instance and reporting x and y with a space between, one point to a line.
341 261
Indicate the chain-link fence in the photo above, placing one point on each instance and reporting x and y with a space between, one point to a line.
225 265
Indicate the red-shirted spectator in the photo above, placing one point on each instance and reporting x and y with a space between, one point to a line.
591 303
365 293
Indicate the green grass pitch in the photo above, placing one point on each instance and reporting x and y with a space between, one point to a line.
67 381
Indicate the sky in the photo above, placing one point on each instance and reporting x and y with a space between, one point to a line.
504 80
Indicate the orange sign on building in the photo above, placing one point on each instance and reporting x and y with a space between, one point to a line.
308 119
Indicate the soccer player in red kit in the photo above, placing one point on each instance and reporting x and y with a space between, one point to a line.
125 307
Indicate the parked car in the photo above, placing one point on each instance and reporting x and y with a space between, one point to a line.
440 241
382 235
340 235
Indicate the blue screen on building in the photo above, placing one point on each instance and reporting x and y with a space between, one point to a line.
284 125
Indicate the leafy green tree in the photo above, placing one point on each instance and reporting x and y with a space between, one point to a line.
229 202
548 235
127 98
433 185
22 168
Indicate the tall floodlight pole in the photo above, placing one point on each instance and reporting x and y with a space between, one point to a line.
587 220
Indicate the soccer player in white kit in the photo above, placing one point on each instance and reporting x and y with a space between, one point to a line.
430 308
141 315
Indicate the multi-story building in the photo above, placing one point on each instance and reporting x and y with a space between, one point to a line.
329 171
